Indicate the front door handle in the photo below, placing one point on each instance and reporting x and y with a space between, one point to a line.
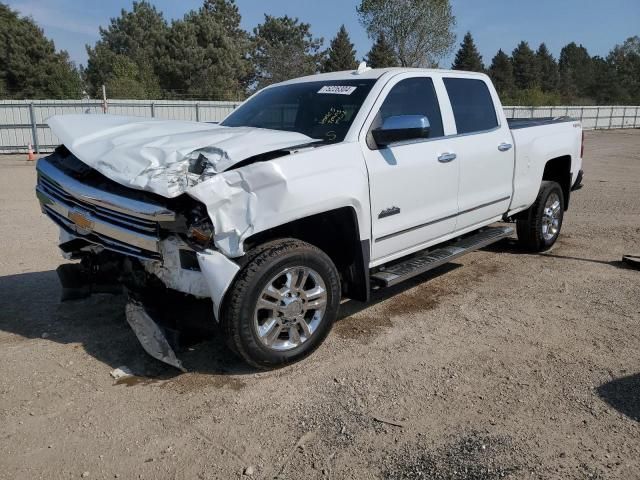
447 157
505 147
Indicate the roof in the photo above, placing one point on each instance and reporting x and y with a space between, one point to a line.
373 73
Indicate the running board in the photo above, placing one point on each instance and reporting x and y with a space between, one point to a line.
428 260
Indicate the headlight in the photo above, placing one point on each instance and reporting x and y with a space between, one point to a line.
201 233
200 229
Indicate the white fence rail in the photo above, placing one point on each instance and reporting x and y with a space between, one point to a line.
592 118
24 122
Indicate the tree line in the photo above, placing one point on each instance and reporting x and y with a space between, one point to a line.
528 77
207 55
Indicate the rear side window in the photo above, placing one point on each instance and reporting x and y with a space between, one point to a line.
413 96
472 105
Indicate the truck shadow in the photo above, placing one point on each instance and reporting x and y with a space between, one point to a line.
350 307
31 309
511 246
623 394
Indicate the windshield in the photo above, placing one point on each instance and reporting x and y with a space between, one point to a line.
320 110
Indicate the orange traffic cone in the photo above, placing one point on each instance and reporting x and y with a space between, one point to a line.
31 157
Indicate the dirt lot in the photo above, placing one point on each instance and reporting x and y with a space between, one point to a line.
503 365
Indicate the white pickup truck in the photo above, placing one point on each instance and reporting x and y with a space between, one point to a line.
313 190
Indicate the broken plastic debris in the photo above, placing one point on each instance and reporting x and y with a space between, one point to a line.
171 272
121 372
632 260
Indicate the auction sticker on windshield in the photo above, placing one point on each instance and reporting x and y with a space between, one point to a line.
337 89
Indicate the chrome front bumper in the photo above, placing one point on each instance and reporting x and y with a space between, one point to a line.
117 223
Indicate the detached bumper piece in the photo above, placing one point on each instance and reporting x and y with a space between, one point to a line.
152 336
632 260
578 183
79 282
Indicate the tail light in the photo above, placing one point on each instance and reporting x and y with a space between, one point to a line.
582 146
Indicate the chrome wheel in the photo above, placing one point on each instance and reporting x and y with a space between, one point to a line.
551 217
290 308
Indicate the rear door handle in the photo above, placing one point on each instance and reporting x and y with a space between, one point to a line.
447 157
505 147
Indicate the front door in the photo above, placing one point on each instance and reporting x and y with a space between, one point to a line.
413 184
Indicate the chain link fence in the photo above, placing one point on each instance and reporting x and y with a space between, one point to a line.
23 123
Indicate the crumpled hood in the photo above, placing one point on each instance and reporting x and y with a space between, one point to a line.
166 157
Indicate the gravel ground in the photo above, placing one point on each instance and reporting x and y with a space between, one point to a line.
502 365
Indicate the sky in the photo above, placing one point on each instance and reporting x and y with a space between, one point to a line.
494 24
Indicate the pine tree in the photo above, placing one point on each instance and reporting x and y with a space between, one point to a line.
341 54
30 67
284 48
381 54
623 62
124 80
576 71
607 89
526 73
133 42
206 54
468 58
501 73
548 67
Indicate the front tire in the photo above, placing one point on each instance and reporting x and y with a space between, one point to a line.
539 227
282 304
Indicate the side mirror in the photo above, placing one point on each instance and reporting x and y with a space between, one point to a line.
401 127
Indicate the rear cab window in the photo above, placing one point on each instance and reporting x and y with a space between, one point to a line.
473 107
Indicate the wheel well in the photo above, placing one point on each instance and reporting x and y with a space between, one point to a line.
336 233
559 170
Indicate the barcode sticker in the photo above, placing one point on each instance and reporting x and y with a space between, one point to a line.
337 89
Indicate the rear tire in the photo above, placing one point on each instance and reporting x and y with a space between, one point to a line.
282 304
539 227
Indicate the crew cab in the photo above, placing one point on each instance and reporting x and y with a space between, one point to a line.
313 190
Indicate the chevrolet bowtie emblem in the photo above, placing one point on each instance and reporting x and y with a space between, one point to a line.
81 220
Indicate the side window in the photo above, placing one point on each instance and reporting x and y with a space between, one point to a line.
473 107
413 96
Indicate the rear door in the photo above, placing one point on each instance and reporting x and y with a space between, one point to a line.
484 149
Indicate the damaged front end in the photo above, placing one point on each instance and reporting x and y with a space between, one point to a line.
147 246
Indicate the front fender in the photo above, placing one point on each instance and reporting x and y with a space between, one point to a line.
265 195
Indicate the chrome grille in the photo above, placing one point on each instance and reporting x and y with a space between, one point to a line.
104 241
117 223
124 220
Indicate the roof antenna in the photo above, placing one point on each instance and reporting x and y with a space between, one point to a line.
362 68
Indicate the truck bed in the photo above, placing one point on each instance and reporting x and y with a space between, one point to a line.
516 123
536 142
